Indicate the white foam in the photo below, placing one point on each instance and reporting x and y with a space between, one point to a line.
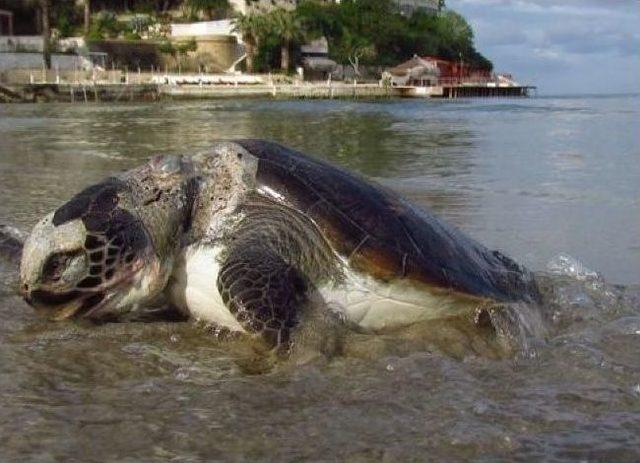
564 264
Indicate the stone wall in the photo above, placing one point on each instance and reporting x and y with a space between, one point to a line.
217 53
128 54
21 43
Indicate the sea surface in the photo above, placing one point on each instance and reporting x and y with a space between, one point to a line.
552 181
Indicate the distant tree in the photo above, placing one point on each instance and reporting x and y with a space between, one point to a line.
359 32
353 48
356 30
104 24
252 28
63 18
456 27
456 41
320 19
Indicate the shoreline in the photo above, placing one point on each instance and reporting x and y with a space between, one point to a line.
114 92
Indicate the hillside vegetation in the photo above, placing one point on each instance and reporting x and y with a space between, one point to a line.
371 32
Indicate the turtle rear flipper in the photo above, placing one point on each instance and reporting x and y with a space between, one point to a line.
263 292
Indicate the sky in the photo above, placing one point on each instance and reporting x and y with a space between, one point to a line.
561 46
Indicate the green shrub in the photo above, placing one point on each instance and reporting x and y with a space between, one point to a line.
166 47
130 35
104 24
95 34
139 23
184 47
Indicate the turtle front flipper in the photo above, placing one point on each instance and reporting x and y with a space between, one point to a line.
263 292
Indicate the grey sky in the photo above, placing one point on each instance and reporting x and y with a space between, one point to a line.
562 46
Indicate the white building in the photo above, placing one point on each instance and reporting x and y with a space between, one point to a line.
244 6
417 72
408 7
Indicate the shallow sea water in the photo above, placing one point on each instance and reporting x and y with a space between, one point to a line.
535 178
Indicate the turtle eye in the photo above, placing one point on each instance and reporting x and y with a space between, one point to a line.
56 264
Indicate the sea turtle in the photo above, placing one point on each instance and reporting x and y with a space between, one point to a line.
245 234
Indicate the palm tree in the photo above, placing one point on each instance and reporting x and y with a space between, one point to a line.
288 26
87 16
251 27
46 32
210 8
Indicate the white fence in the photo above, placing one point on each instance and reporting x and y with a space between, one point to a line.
207 79
222 27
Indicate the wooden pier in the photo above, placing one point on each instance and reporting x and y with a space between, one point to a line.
485 91
465 91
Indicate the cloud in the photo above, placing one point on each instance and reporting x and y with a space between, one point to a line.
554 6
564 45
508 35
548 55
591 36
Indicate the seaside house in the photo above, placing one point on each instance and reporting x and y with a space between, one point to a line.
416 72
458 72
431 76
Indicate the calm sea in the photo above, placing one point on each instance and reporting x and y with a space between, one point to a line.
535 178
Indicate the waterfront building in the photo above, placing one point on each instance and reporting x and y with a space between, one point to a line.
428 71
458 72
416 72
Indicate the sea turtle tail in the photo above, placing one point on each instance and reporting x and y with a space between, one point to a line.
11 242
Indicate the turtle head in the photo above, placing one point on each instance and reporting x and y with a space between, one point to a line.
92 258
